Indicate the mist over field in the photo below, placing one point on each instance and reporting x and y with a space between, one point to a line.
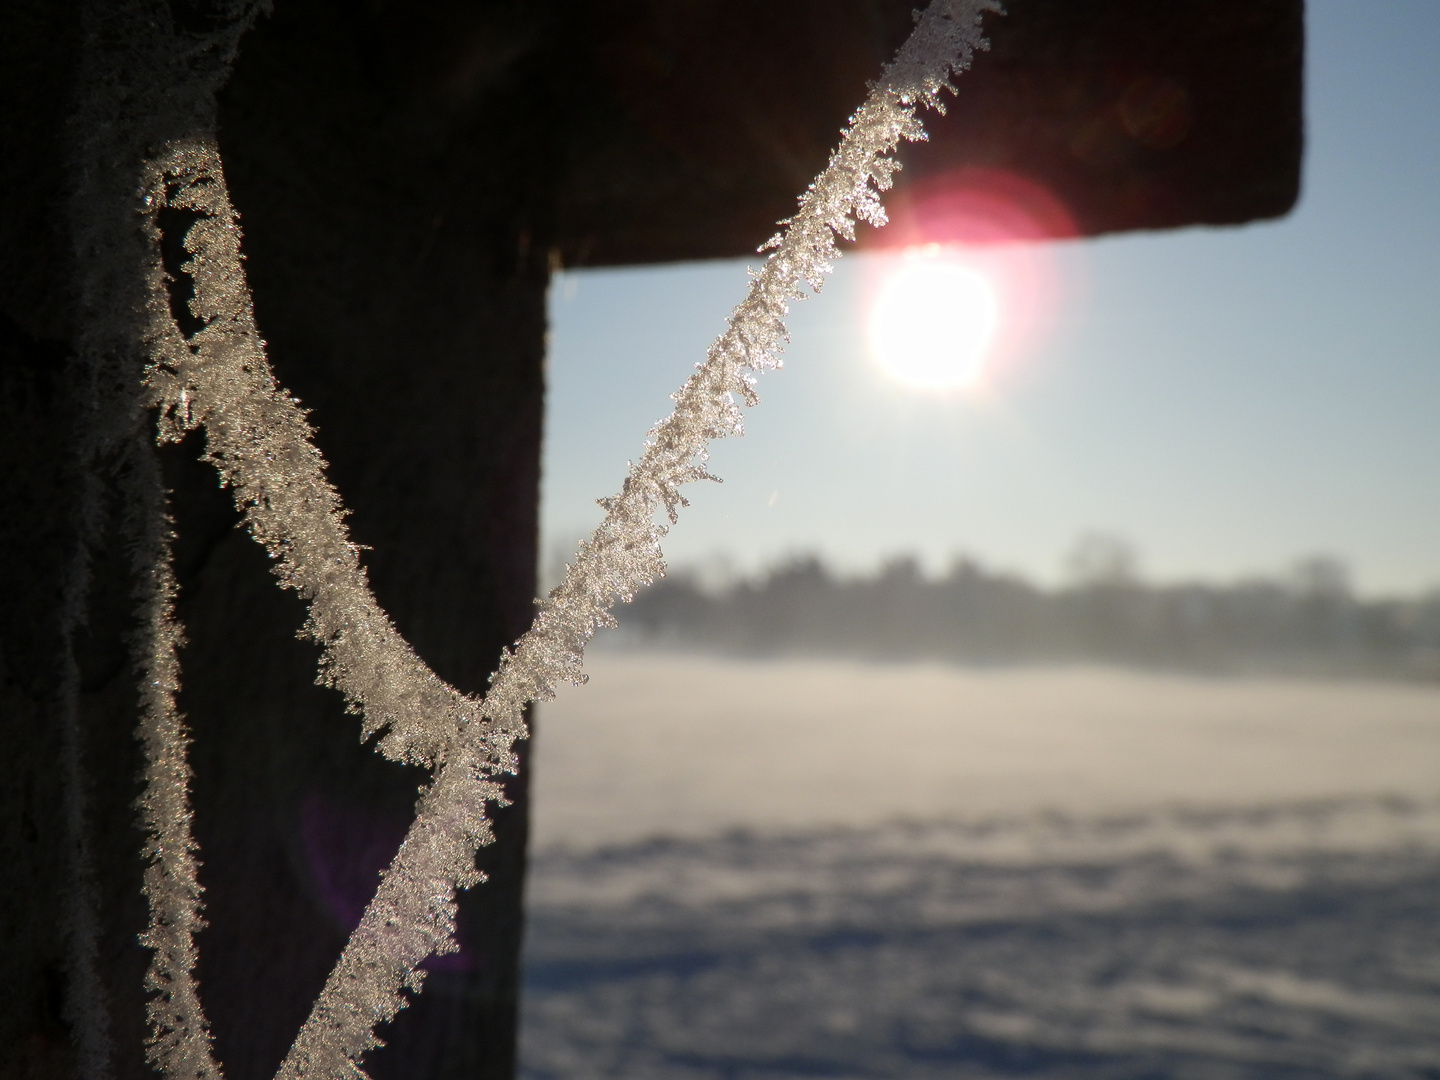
808 867
1305 620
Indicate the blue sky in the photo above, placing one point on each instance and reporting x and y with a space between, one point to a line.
1228 400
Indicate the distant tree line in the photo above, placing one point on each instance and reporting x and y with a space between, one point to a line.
1308 622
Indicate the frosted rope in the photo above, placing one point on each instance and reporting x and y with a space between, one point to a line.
179 1044
138 80
412 914
259 440
258 437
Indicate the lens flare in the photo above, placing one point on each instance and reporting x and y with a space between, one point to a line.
933 323
979 243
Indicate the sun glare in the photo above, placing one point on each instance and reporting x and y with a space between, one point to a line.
933 323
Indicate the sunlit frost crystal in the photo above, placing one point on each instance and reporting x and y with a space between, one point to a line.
258 438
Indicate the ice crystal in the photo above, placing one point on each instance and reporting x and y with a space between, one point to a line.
258 438
623 554
261 443
179 1043
134 63
412 915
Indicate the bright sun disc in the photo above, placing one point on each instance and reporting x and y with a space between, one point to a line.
933 322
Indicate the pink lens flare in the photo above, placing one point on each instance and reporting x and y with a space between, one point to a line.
991 221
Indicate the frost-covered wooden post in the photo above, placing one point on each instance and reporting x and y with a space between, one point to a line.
407 178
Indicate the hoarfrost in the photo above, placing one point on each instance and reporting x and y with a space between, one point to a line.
260 441
179 1043
133 62
414 910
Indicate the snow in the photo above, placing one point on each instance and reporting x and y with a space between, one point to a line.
811 868
690 746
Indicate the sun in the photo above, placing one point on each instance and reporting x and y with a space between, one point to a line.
933 322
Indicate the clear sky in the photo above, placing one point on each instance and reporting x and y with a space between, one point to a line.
1228 400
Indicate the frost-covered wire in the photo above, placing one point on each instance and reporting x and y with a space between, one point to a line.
260 441
258 437
139 80
623 554
412 915
179 1043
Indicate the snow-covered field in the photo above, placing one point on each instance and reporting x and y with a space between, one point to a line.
794 869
